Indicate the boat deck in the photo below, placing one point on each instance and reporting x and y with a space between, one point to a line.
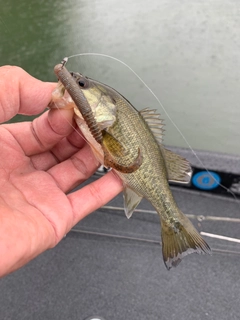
111 266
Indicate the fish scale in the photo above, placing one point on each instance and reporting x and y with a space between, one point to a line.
132 143
151 177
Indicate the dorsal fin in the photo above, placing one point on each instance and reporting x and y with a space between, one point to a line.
178 168
154 122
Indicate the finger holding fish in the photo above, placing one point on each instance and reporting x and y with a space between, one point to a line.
98 194
63 150
75 170
42 133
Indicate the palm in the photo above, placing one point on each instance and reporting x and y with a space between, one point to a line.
34 179
40 162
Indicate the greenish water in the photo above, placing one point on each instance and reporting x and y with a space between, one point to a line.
186 51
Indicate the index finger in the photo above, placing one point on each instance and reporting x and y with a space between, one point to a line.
94 195
22 93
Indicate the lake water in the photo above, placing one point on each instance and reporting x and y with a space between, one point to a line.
188 52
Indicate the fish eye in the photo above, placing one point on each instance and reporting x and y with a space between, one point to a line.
83 82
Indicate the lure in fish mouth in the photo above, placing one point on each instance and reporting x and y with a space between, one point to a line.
86 105
130 141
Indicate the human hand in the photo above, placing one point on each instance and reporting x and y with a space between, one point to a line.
40 162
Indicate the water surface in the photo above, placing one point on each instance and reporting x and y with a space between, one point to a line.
187 52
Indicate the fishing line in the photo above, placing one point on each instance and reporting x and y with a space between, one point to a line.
72 126
5 26
65 60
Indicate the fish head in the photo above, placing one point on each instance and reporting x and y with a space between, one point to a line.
102 103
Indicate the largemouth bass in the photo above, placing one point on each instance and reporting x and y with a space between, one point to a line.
133 139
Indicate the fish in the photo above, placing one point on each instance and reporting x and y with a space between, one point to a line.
134 139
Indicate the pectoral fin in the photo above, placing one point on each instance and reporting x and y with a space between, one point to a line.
178 168
131 201
113 149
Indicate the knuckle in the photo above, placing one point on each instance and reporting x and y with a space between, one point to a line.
81 166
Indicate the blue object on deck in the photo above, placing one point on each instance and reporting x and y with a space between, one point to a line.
206 180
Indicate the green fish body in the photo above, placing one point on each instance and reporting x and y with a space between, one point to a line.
128 131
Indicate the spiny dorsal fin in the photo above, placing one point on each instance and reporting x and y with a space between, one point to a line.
154 122
179 169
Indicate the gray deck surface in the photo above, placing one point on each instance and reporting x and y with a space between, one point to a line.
120 278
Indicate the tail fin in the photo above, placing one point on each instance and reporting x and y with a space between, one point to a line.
179 240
